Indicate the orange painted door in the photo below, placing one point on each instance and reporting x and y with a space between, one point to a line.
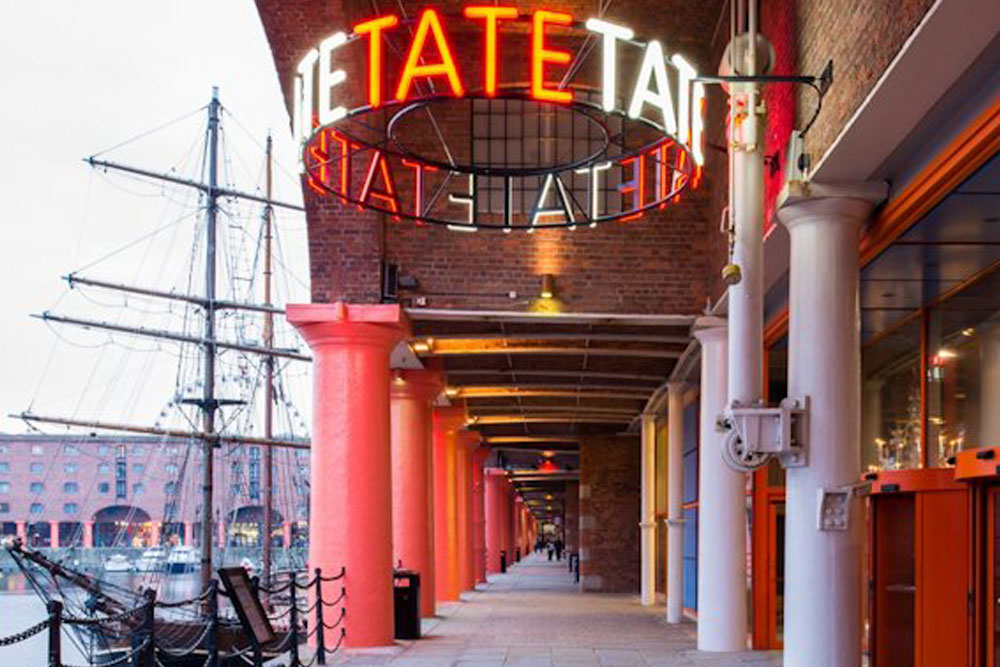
993 577
942 591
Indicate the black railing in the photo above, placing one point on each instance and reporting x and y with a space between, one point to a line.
289 613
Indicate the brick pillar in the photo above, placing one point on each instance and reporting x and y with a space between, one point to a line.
496 492
22 530
88 534
155 533
351 500
609 503
286 531
53 534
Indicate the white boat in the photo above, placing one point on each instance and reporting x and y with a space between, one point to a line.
151 560
117 563
183 559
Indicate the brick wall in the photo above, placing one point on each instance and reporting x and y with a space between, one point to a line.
654 265
609 514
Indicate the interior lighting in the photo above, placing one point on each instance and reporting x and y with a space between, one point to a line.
548 453
422 346
548 286
945 353
969 333
451 392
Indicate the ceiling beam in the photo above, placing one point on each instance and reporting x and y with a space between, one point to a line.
607 337
466 347
534 372
448 315
538 450
507 439
556 418
503 409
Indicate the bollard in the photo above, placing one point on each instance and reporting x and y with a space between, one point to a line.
149 627
55 608
212 636
503 562
293 620
320 642
517 555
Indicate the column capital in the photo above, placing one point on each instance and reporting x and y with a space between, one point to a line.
419 384
710 328
801 201
341 323
469 439
450 418
676 387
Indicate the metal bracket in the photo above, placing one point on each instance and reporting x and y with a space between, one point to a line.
755 434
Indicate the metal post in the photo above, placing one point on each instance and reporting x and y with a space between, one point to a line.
268 382
293 620
149 628
208 403
320 643
212 637
55 608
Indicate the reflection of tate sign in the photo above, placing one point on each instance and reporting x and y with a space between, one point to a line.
595 126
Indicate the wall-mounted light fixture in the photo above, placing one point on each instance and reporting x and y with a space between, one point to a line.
548 286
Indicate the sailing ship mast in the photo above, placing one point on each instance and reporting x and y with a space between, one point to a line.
208 403
268 382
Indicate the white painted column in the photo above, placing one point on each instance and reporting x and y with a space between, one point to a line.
823 567
989 386
675 501
647 512
722 586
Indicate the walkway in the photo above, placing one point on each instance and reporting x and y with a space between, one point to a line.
533 616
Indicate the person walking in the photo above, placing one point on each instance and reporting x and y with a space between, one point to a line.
559 548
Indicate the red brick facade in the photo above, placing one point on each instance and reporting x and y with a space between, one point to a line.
609 514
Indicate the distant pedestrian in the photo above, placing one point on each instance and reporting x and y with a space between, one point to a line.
559 548
551 549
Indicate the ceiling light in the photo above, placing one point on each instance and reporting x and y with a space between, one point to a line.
548 453
422 346
969 333
945 353
451 391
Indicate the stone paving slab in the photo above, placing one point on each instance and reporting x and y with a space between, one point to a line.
534 616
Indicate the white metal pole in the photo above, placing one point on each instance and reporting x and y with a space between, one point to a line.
721 576
675 499
647 512
823 567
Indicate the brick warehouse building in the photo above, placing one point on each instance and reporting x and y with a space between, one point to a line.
139 491
586 367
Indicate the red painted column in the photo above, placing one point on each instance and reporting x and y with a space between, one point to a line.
518 520
495 497
479 513
467 442
350 520
411 396
53 534
286 533
88 534
21 528
447 422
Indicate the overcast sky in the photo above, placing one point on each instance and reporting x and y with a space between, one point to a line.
78 78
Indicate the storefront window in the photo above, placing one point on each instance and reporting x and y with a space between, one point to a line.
890 398
963 371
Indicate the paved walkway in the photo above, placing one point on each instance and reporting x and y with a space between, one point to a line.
533 616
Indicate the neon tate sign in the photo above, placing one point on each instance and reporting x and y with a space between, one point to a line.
354 149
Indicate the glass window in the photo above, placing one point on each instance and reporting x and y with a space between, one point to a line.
71 508
103 487
103 450
4 466
170 488
255 453
36 487
37 508
71 487
4 487
37 468
138 489
138 450
103 469
171 469
890 391
121 489
36 450
70 450
69 468
4 508
138 467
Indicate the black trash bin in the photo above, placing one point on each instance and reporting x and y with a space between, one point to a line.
406 603
503 561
